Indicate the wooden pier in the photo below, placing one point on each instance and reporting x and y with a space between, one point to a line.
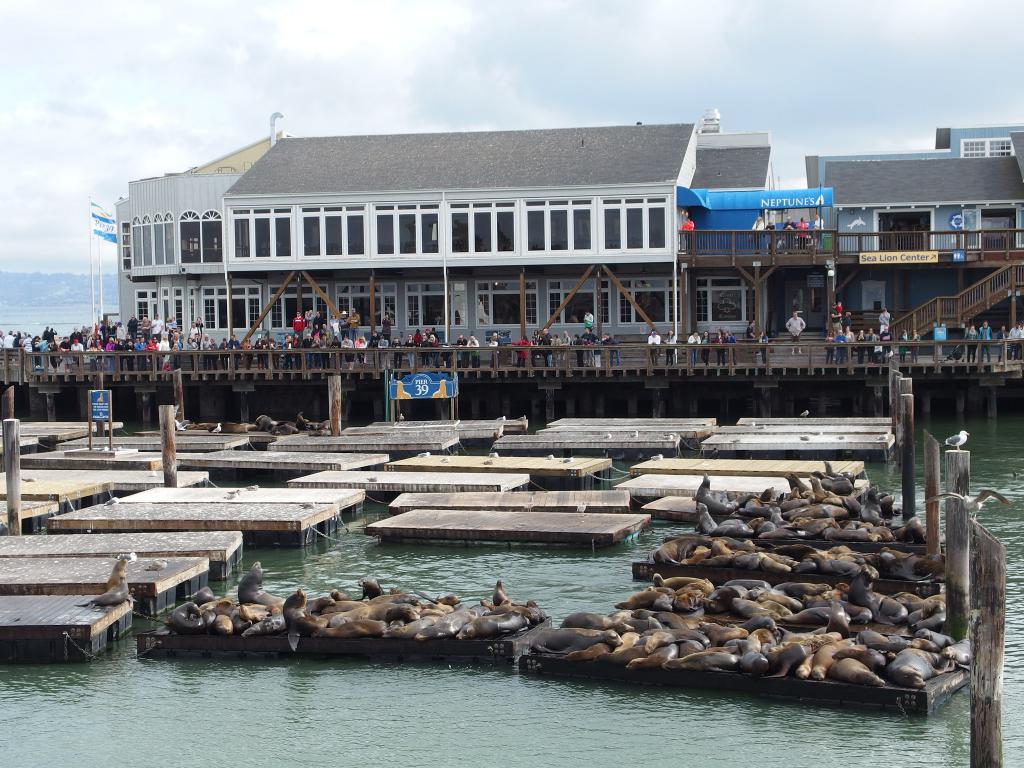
689 428
55 628
568 442
408 444
569 474
260 523
656 486
890 698
743 467
153 590
461 525
614 502
222 548
281 461
345 498
68 489
875 447
76 460
26 445
678 509
818 421
380 483
109 480
53 432
189 442
834 428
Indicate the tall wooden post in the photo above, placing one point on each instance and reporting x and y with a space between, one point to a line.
894 376
334 402
931 489
958 480
598 279
12 474
8 408
179 393
988 629
168 448
904 386
909 487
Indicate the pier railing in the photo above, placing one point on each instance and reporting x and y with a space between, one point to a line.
810 357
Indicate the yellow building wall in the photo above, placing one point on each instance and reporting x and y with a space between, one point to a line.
239 161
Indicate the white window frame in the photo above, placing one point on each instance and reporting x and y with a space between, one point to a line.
251 294
567 204
344 292
705 287
273 213
486 288
986 149
554 288
624 203
491 207
125 243
399 209
630 284
149 297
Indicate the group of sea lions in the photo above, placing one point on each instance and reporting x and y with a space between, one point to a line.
668 626
262 424
823 509
727 552
376 613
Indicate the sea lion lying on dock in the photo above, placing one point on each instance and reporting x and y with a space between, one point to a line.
117 590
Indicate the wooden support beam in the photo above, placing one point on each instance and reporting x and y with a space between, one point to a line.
522 304
372 319
231 320
12 474
629 297
179 393
598 279
931 490
568 297
334 404
909 487
168 447
327 299
958 555
988 638
270 304
8 409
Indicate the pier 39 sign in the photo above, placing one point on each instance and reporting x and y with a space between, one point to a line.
424 386
900 257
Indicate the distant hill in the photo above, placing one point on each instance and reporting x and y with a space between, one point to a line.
31 289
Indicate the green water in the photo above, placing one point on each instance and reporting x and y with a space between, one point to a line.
159 712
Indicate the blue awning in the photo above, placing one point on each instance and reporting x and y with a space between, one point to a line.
754 200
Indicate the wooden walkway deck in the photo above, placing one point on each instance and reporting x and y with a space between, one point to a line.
75 460
53 432
69 489
345 498
812 421
153 590
568 442
412 443
32 514
433 525
615 502
468 429
282 461
655 486
740 467
107 480
190 442
57 628
679 425
825 446
222 548
400 482
571 473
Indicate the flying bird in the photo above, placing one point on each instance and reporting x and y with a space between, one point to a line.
973 506
957 441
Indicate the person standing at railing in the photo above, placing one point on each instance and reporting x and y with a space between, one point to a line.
903 347
830 350
985 334
1013 350
1001 335
914 351
720 350
730 338
836 317
653 342
705 348
884 320
156 328
670 352
613 354
686 227
693 341
795 325
842 354
971 337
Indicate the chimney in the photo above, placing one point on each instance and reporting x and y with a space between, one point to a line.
273 131
711 122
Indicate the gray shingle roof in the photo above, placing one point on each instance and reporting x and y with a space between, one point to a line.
731 168
480 160
867 182
1017 139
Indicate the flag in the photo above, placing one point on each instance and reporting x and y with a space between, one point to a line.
103 225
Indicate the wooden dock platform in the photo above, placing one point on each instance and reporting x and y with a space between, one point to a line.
75 460
187 442
55 628
345 498
153 590
222 548
281 461
53 432
469 430
678 425
260 523
500 650
678 509
615 502
568 442
394 483
877 421
33 514
410 444
107 480
834 428
462 525
740 467
656 486
570 474
28 445
899 701
68 489
876 447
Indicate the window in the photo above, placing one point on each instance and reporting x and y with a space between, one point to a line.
213 247
137 239
486 228
974 147
634 223
460 231
245 306
721 300
424 305
284 308
409 228
1000 147
261 232
282 232
581 303
189 229
242 238
357 296
147 241
158 240
558 225
145 304
653 295
126 246
311 245
497 303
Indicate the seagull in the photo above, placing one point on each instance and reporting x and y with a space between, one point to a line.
958 441
550 456
111 501
567 460
232 494
422 455
973 506
371 479
657 457
156 565
216 429
581 508
608 436
636 433
488 463
444 460
805 414
252 487
307 505
179 426
501 418
493 454
131 557
804 437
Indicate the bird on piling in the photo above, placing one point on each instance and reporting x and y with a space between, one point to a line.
972 505
958 440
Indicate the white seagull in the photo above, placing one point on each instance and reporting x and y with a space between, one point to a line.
957 441
805 414
216 429
973 506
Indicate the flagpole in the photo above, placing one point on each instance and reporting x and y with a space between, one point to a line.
99 271
92 273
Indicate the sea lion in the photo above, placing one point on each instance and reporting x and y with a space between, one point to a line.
284 428
317 604
655 659
354 629
719 634
759 622
879 642
487 627
754 663
911 668
408 631
705 661
563 641
222 625
186 620
838 620
823 659
203 595
583 620
272 625
448 626
678 582
959 653
116 588
595 651
370 587
784 658
849 670
298 623
499 597
646 599
870 658
250 589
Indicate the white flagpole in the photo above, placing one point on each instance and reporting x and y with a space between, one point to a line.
99 270
92 273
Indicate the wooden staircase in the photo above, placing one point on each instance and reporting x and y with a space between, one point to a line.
958 310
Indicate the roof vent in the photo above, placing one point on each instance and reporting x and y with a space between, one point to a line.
711 122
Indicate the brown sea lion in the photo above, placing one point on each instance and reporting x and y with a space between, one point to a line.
272 625
562 641
487 627
595 651
678 582
705 661
647 598
499 597
222 625
316 605
354 629
880 642
250 589
823 659
911 668
754 663
838 620
959 653
656 659
872 659
370 587
584 620
719 634
408 631
849 670
203 595
186 619
449 626
784 658
116 587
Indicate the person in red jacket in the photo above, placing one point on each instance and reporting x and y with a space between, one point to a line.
298 324
521 353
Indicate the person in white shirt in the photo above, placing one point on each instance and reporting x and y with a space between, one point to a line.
1015 336
9 340
795 325
694 340
654 341
157 327
670 354
884 319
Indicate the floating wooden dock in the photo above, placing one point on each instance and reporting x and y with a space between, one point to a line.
281 461
54 628
153 590
77 460
222 548
656 486
345 498
741 467
569 442
803 428
469 430
67 489
572 473
900 701
260 523
678 425
33 515
462 525
188 442
644 570
27 445
380 483
614 502
107 480
412 443
53 432
500 650
807 446
876 421
679 509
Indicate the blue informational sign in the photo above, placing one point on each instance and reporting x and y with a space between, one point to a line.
939 333
424 386
959 256
756 200
956 220
99 404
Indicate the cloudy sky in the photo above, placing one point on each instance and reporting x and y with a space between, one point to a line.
91 101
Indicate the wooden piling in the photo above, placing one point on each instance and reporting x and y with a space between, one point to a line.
179 393
12 474
904 386
931 489
168 450
909 486
8 404
987 632
894 377
334 398
958 480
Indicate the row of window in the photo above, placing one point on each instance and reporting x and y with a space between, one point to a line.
152 239
986 148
